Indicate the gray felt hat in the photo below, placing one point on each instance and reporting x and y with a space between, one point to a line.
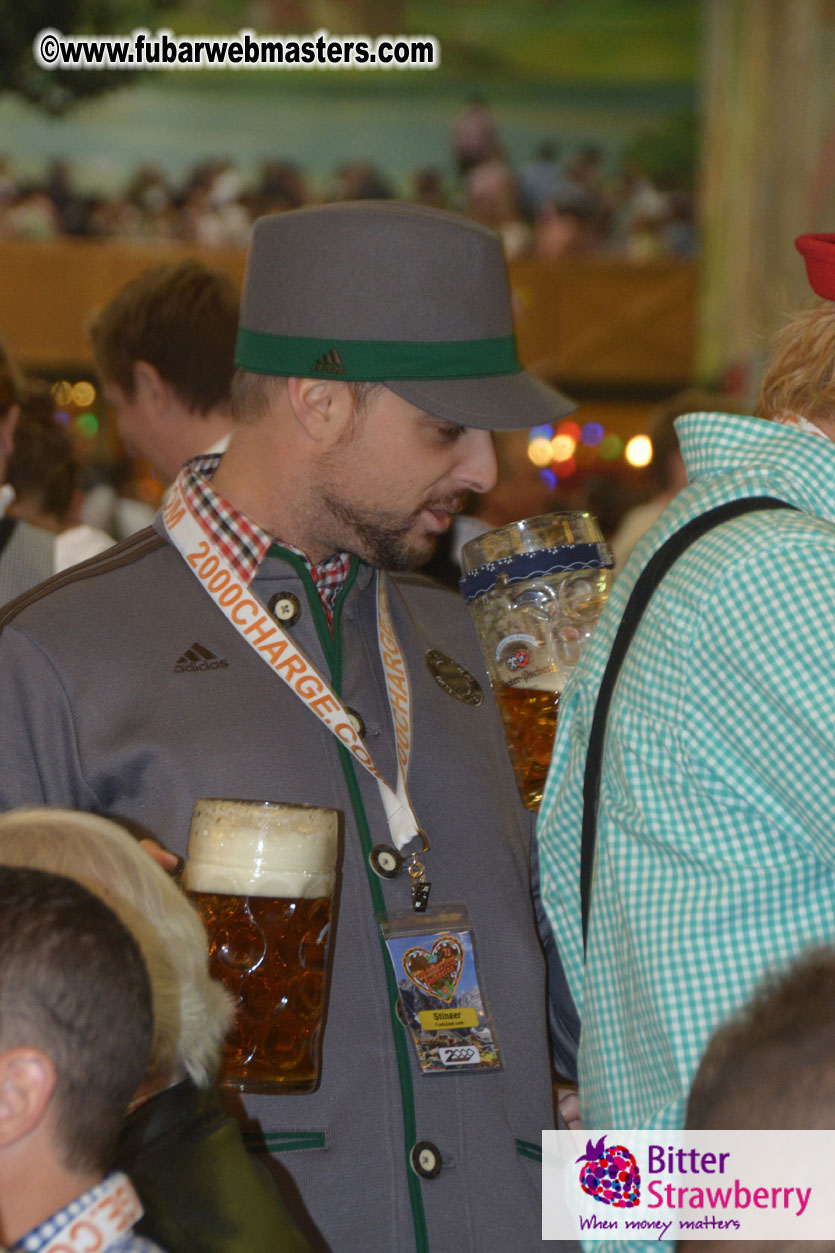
394 293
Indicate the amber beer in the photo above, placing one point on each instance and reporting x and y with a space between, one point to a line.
261 875
529 715
535 588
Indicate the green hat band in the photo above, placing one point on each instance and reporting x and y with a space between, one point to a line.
368 360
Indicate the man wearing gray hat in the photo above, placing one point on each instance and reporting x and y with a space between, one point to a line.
375 356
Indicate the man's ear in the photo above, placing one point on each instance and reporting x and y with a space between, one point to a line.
324 408
27 1082
149 385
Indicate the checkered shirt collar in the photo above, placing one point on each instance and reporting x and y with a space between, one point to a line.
242 542
58 1225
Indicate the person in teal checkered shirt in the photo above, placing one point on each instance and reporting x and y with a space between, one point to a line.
715 858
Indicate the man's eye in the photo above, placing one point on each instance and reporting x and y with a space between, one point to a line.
449 434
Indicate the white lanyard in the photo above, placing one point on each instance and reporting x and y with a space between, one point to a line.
108 1212
272 644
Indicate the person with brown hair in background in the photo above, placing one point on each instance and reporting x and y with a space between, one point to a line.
771 1067
26 551
44 472
164 348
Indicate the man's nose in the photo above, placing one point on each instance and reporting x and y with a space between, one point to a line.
478 469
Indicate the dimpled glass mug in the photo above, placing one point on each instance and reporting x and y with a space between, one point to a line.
261 875
535 588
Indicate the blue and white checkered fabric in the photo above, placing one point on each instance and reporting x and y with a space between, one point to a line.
61 1225
41 1236
715 859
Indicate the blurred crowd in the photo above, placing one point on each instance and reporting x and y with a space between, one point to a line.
550 206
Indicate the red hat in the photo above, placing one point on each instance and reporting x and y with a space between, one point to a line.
818 251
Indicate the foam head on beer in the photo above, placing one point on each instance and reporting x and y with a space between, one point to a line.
262 848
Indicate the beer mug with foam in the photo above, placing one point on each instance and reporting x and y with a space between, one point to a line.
262 876
536 589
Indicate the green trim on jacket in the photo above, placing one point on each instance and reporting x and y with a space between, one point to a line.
332 647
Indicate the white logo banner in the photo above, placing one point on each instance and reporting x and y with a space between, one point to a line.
688 1185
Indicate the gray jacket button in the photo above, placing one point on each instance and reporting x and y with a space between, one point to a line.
285 608
425 1159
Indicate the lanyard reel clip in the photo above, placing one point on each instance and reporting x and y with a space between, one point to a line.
420 889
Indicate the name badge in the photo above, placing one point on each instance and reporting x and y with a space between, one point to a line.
442 1003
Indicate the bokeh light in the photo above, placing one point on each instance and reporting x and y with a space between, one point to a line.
83 394
567 468
638 451
611 447
88 425
63 417
539 451
562 447
541 432
549 478
570 428
62 393
591 434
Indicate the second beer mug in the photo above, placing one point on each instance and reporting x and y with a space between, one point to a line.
262 877
536 589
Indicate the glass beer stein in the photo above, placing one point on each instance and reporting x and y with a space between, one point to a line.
536 589
261 875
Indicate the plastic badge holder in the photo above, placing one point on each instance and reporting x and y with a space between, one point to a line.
442 1002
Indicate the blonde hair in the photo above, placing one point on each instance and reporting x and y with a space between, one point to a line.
800 377
192 1012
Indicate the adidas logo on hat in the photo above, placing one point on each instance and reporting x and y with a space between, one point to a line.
331 363
199 658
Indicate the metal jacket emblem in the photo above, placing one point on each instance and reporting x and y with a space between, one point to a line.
453 678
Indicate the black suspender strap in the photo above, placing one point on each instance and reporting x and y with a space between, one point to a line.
647 582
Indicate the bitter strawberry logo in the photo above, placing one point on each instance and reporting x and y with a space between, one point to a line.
610 1175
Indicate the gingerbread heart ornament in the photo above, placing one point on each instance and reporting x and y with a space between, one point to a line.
436 972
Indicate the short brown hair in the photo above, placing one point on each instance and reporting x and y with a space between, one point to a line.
252 394
74 986
773 1065
183 320
800 377
43 466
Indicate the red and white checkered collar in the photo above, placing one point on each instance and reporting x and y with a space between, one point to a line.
243 543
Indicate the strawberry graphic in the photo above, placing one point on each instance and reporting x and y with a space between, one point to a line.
610 1175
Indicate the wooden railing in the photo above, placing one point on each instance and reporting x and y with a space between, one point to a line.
588 322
